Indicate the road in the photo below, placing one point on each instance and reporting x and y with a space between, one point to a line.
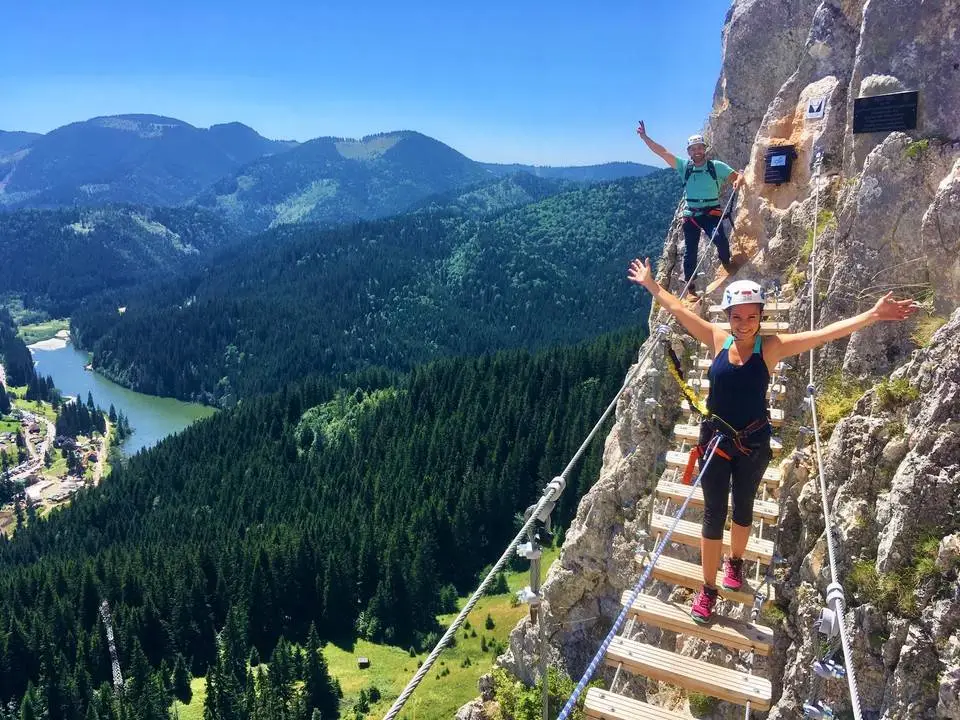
36 462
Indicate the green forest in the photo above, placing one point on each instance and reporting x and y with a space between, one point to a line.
325 511
302 300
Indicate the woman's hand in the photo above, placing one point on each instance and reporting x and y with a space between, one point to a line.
641 274
889 309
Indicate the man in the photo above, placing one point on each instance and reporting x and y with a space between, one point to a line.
702 182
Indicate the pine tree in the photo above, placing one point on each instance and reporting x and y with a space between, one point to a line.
181 680
319 692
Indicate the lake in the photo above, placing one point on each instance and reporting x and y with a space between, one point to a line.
152 418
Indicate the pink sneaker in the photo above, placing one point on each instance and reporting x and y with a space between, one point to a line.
732 574
703 603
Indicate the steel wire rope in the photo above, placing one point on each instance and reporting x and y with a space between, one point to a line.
835 596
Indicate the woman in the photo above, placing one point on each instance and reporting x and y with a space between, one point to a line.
739 375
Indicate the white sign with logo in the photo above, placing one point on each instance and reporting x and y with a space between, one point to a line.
815 108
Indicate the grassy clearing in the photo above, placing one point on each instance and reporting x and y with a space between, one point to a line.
449 684
193 711
42 331
9 426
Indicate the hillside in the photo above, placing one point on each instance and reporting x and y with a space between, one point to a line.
338 180
141 159
60 257
339 505
10 142
575 173
392 293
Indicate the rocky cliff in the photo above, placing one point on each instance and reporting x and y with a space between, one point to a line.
888 218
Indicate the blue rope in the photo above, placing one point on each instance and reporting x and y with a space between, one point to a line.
592 667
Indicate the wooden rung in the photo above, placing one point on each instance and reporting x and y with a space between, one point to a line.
765 510
605 705
776 414
691 434
727 631
690 575
769 309
688 533
766 328
678 459
689 673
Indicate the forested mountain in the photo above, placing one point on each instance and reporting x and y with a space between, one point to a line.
59 257
346 505
10 142
338 180
392 293
142 159
494 195
576 173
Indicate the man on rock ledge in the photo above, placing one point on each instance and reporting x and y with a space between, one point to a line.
702 183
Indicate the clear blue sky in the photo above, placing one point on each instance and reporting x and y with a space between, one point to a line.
500 80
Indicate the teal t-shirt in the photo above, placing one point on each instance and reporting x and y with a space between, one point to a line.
702 191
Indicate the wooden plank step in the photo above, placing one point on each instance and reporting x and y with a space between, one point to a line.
776 414
727 631
768 309
688 533
690 575
678 459
605 705
768 511
691 434
702 385
766 328
689 673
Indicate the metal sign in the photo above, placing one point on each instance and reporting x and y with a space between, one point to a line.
816 107
885 113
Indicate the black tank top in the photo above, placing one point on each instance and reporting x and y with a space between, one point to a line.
738 393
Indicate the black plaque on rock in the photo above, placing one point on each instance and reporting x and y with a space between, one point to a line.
885 113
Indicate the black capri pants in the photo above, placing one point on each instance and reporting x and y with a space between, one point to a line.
744 472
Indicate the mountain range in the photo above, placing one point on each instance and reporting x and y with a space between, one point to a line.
253 182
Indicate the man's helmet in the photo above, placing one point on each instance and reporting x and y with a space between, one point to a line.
695 140
742 292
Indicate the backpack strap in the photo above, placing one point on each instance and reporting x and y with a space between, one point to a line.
728 342
756 345
711 168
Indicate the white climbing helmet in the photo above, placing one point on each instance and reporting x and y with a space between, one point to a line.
695 140
742 292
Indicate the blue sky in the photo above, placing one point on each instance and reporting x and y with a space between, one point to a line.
501 81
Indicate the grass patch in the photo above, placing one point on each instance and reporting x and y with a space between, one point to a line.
926 326
449 684
194 710
42 331
836 401
797 279
825 221
9 426
701 704
896 591
772 615
917 148
893 393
